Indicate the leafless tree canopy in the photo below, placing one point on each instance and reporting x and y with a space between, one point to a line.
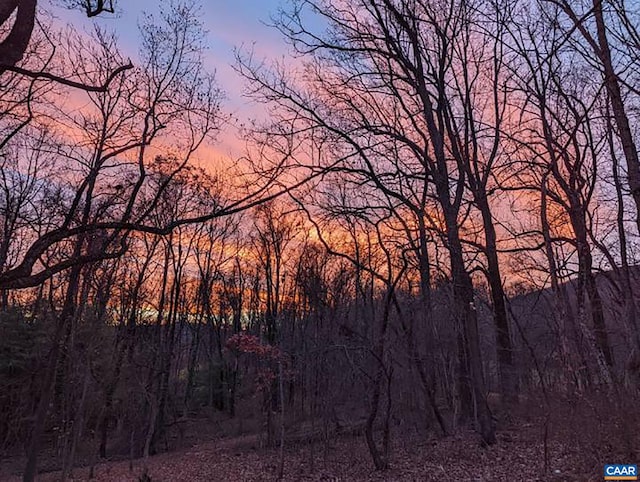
431 241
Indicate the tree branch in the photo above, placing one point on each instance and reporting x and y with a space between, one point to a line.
68 82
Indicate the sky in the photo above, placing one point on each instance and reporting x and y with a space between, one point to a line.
231 25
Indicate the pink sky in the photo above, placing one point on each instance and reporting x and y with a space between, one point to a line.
240 24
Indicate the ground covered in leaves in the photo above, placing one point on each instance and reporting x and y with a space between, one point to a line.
578 443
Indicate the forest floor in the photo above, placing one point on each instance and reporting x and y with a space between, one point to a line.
576 450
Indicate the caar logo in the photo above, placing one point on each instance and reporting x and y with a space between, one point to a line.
620 472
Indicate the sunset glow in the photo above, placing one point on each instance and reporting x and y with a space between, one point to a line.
319 240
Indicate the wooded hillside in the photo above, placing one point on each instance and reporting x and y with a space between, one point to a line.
430 241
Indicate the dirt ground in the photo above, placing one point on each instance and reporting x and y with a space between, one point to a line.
577 446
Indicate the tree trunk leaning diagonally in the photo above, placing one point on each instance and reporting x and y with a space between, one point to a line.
13 47
504 346
619 112
42 407
602 51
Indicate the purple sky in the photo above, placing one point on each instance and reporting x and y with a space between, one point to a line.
230 25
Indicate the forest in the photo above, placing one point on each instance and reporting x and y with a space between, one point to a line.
424 264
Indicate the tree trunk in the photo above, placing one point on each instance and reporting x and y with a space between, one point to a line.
617 104
587 281
564 311
504 346
42 408
467 316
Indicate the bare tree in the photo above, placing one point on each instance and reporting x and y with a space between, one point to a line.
565 141
378 92
591 25
171 90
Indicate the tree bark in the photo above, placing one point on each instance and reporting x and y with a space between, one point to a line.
467 316
504 346
42 409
